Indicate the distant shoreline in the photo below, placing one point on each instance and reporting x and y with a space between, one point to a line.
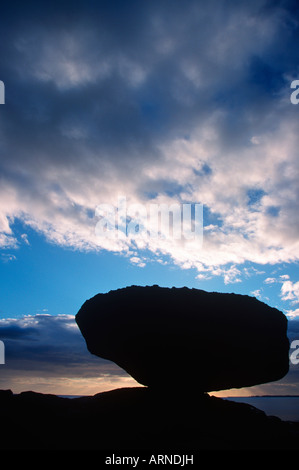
263 396
211 394
239 396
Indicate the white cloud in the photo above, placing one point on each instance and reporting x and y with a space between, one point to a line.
270 280
203 277
24 238
256 293
6 257
293 314
232 275
136 260
290 291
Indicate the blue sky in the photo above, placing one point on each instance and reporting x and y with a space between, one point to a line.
40 277
161 102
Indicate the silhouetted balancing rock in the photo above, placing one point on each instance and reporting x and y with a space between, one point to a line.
188 337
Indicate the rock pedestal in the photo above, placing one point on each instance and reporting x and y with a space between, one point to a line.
187 337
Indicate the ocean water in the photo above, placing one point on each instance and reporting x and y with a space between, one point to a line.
286 408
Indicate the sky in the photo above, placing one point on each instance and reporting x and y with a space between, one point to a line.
158 102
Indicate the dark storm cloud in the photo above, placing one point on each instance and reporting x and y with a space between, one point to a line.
48 354
131 72
15 332
48 344
293 330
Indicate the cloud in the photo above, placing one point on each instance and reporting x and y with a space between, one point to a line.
137 261
290 291
232 275
6 257
170 104
24 238
293 315
256 293
270 280
45 353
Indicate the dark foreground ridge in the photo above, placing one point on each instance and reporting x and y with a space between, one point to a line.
138 419
205 340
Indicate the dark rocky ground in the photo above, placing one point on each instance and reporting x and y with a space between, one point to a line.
139 419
